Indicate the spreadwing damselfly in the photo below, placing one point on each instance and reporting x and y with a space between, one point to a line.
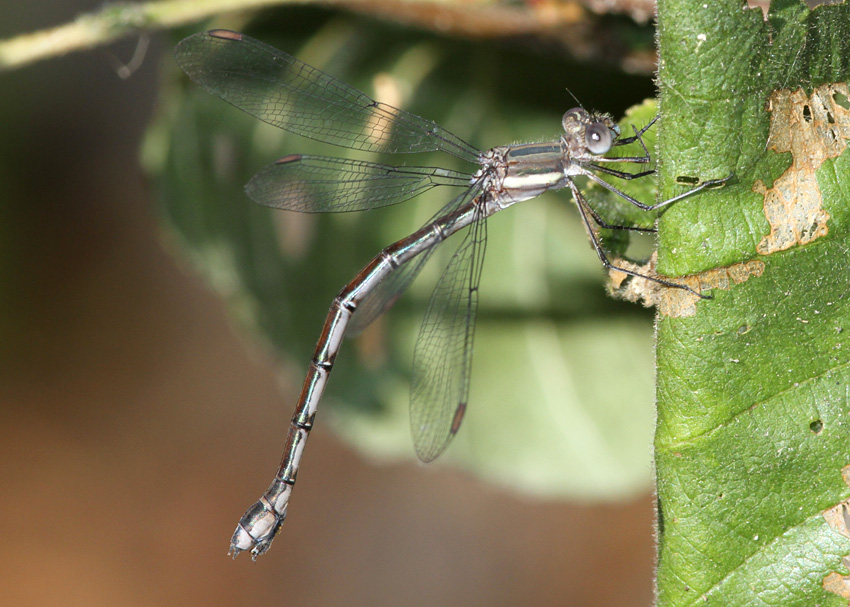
285 92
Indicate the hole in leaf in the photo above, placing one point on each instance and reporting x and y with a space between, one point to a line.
687 180
841 100
832 136
816 426
764 5
807 113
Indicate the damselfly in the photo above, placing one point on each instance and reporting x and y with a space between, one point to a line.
281 90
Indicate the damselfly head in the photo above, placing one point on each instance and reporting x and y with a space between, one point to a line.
595 133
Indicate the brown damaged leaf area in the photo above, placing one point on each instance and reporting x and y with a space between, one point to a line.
670 301
813 129
838 518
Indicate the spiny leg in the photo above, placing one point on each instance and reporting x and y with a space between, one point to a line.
638 134
646 207
586 213
610 226
620 174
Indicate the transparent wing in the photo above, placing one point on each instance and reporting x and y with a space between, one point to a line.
318 184
390 289
281 90
442 358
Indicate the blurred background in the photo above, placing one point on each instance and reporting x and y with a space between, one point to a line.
138 418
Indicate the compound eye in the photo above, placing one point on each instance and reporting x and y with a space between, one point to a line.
573 118
598 138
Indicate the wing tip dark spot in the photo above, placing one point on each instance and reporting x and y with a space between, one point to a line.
288 159
458 418
225 35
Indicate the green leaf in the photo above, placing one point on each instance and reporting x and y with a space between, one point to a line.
544 416
753 435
